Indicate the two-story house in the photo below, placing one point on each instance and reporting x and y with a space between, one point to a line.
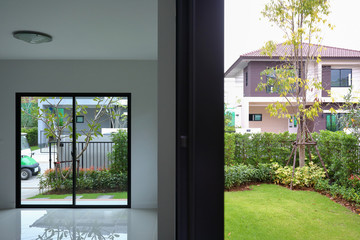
338 70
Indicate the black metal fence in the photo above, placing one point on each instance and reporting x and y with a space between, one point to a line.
95 156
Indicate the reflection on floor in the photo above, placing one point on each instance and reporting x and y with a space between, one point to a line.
56 224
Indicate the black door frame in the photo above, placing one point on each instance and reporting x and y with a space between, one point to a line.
18 96
200 119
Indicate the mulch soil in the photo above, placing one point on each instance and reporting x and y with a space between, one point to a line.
349 205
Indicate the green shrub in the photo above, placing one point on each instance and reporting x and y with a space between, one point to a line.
354 181
87 179
239 174
306 176
119 155
32 135
322 185
336 190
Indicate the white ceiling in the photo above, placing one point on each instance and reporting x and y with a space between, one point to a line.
81 29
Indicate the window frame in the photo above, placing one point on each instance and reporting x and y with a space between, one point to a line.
252 117
74 95
198 86
341 69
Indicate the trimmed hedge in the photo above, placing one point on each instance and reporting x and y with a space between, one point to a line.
32 135
262 147
340 151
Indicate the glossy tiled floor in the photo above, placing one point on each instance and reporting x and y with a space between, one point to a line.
84 224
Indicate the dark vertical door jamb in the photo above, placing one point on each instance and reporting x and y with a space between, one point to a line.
182 120
200 119
74 149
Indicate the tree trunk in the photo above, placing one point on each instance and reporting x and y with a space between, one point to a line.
301 155
302 140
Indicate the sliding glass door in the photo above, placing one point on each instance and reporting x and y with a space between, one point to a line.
102 150
73 150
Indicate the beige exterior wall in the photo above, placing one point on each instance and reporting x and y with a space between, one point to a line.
268 124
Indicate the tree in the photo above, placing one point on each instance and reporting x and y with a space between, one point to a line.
301 21
350 120
28 104
117 111
228 118
58 122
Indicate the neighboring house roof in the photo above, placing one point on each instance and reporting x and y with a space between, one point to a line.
283 50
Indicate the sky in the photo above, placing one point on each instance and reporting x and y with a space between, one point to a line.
245 32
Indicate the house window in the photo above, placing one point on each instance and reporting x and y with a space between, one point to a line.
246 78
255 117
332 122
280 87
293 121
341 77
79 119
269 87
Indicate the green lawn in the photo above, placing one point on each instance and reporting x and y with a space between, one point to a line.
117 195
33 148
274 212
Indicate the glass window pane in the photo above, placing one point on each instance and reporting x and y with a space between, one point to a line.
333 123
102 159
44 167
328 123
345 77
335 77
257 117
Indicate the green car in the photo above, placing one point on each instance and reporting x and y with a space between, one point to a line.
29 167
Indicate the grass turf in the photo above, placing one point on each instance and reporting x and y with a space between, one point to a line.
274 212
117 195
33 148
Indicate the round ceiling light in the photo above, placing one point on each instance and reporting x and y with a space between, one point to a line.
32 37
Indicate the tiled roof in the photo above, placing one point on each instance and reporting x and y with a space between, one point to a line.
326 52
282 50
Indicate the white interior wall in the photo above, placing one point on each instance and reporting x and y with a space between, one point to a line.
136 77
